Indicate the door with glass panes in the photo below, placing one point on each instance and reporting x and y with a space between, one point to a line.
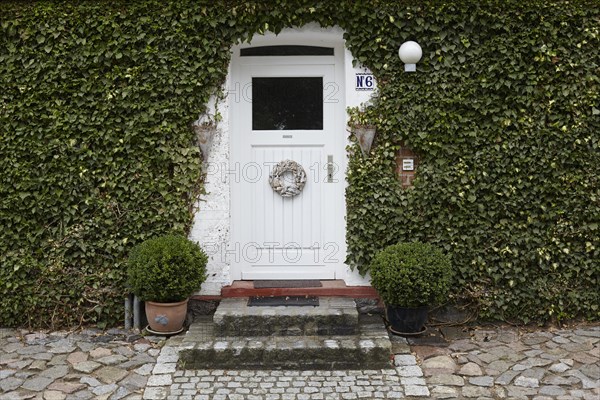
286 108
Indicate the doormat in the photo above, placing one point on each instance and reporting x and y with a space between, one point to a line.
287 284
283 301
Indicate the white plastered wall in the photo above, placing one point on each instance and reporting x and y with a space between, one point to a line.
211 226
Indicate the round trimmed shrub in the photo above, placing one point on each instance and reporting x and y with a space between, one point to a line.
411 274
167 269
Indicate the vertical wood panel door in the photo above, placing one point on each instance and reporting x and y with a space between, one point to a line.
286 108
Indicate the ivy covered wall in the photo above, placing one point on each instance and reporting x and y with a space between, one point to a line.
97 154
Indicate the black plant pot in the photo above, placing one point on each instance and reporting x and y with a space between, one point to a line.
406 319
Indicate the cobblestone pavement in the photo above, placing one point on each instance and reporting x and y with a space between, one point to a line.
501 363
88 364
506 364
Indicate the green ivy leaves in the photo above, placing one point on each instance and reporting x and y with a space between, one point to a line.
97 156
504 166
96 151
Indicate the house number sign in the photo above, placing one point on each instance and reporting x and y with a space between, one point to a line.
364 81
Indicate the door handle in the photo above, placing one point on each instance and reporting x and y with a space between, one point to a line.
330 168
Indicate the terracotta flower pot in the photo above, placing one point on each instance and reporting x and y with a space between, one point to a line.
166 317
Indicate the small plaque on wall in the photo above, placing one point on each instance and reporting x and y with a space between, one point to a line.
408 164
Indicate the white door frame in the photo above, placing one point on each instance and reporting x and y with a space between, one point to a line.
334 251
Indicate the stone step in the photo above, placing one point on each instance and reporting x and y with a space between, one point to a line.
369 348
332 288
333 316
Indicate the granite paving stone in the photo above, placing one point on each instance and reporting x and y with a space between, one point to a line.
38 365
5 373
10 384
20 364
487 381
60 359
17 395
134 381
54 395
43 356
77 357
66 387
34 349
591 370
446 380
100 352
476 391
559 367
104 389
112 359
440 362
55 372
552 391
404 359
86 366
145 369
444 392
62 349
110 374
564 381
416 390
37 383
470 369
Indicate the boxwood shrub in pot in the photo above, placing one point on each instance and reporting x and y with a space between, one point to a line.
409 278
164 272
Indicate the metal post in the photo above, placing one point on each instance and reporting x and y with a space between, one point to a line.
128 314
136 313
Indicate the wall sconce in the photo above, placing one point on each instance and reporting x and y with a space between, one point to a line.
365 136
205 129
410 53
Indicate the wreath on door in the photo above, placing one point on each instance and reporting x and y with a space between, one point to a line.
283 186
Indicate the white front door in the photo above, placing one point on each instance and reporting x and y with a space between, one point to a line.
287 108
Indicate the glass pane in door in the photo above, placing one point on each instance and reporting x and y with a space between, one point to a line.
287 103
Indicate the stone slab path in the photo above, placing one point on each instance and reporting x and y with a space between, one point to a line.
508 364
88 364
500 363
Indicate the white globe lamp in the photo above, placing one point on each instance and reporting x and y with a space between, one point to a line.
410 53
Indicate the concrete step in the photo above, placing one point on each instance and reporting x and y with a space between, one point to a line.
368 348
333 316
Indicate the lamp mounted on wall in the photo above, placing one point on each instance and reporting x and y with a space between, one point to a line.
410 53
205 128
